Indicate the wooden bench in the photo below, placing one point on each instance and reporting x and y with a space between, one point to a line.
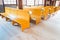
52 10
18 16
45 11
35 14
58 8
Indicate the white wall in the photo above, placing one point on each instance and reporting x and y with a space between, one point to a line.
1 2
57 3
29 2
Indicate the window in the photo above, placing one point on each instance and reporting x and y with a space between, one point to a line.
33 2
10 3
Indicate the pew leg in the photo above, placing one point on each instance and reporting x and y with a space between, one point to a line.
45 18
25 26
7 19
2 16
38 21
13 22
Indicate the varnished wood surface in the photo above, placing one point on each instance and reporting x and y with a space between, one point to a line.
46 30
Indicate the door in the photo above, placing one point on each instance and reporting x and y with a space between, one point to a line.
2 6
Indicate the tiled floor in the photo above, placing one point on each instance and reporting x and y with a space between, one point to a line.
46 30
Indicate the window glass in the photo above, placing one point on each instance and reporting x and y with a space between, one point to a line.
33 2
10 3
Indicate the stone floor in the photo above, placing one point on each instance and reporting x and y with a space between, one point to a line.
46 30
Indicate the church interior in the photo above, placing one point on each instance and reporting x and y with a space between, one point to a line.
29 19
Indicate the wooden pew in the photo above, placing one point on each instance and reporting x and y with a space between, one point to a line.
18 16
45 11
35 14
58 8
51 10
